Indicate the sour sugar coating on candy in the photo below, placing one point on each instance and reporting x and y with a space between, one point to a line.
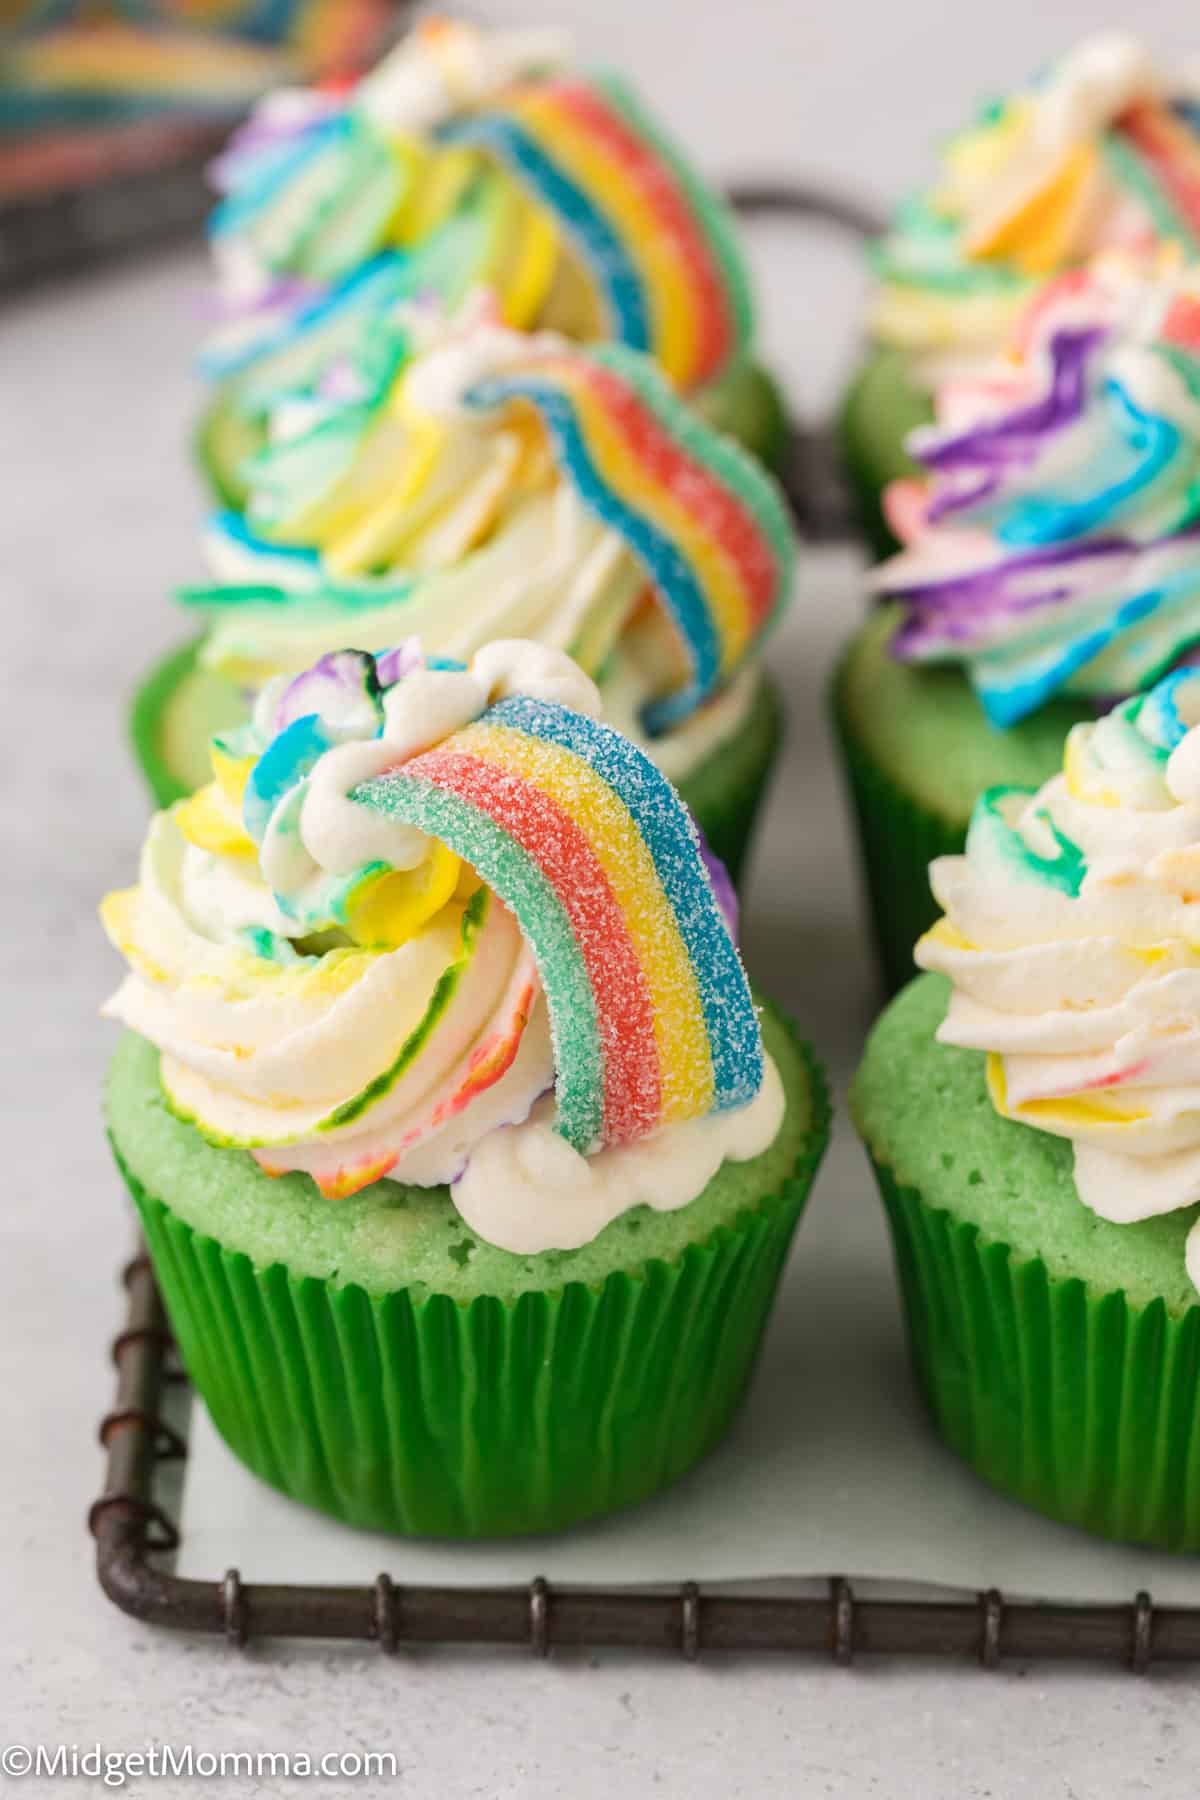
657 247
423 904
595 854
509 481
721 561
1070 937
1053 546
465 159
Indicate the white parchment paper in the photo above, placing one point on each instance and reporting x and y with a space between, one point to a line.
831 1468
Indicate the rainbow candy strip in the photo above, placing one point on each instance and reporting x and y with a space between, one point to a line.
1156 154
708 524
657 247
596 855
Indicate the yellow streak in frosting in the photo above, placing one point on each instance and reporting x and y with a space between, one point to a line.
1036 234
1065 1112
390 907
1076 775
205 820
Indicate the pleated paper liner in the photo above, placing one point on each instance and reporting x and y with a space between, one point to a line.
178 706
897 840
419 1414
1074 1401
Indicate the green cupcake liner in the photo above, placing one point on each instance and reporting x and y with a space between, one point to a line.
415 1413
897 840
1069 1399
725 794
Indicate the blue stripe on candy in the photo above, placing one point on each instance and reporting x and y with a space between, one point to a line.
666 827
602 248
678 588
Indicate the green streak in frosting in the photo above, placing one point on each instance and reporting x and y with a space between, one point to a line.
990 833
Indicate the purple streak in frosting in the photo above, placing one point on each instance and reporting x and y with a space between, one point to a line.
987 450
722 886
966 609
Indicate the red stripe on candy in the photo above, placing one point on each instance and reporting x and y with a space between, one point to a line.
1182 324
1164 146
632 1082
727 521
655 181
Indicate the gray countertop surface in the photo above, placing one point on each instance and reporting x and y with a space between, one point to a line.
100 514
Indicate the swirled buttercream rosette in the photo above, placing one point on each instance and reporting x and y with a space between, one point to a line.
440 924
464 159
1070 933
1101 151
502 485
1052 546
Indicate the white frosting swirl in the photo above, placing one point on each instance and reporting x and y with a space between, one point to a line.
1072 938
284 1033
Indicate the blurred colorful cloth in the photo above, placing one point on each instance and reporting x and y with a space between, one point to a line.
120 100
66 64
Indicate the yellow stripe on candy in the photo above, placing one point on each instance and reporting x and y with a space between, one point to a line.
685 1059
597 172
669 512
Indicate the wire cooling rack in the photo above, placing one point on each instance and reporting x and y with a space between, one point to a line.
134 1535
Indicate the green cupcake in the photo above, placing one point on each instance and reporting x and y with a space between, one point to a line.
466 1161
468 160
1049 566
505 486
1032 1112
1089 156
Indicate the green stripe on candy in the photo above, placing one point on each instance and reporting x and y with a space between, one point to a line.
512 873
712 213
740 472
1131 174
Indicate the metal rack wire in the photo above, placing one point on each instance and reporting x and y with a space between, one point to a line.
132 1531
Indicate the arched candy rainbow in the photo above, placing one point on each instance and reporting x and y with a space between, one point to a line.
1155 154
707 522
595 854
658 248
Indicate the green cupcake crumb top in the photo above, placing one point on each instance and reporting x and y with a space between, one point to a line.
923 1111
390 1236
924 726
